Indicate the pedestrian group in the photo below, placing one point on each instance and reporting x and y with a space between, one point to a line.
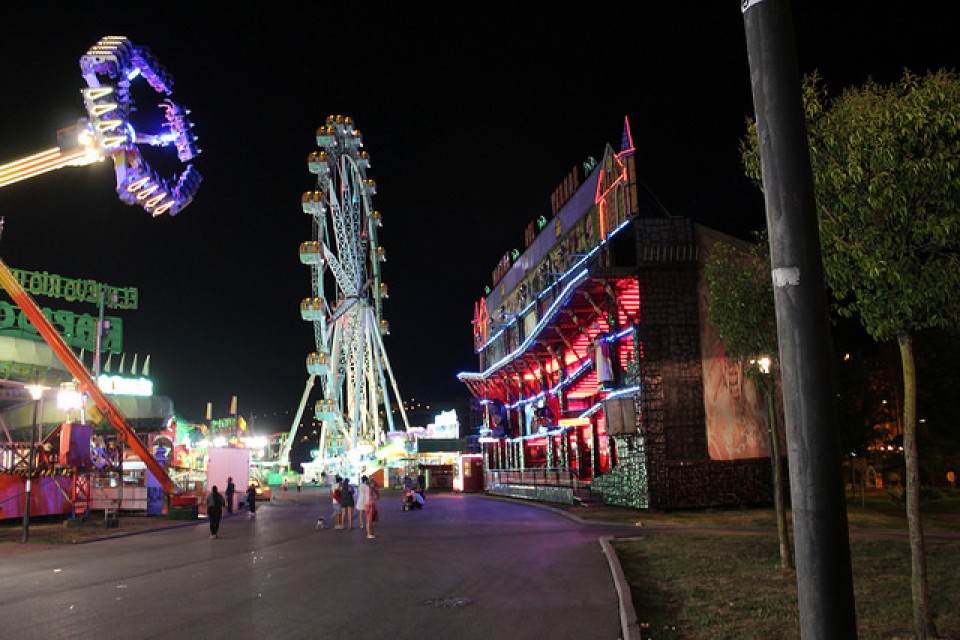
346 500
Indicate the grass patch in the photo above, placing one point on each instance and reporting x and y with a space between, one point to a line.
732 517
730 586
877 511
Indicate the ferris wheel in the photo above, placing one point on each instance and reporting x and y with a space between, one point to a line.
346 306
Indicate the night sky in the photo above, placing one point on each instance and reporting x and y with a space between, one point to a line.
472 116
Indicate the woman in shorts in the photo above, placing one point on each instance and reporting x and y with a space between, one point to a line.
373 517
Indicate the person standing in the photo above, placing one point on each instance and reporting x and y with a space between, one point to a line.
214 510
373 516
252 500
300 483
363 490
231 490
347 503
335 501
420 486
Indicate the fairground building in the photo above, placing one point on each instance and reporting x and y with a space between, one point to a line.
599 373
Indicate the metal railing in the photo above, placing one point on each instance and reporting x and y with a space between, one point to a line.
549 484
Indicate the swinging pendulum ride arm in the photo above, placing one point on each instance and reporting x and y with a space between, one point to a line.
86 383
49 160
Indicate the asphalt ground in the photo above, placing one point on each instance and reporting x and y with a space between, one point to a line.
466 566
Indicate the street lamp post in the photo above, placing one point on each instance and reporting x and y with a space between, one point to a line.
36 392
776 461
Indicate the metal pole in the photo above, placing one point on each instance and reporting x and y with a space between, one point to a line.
122 441
824 576
96 356
33 449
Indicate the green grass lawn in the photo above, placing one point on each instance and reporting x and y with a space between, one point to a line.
719 586
729 584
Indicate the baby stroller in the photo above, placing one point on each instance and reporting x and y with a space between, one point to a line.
411 500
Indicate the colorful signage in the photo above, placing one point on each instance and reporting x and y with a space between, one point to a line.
77 330
120 386
41 283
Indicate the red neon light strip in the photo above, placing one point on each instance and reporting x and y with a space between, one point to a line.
76 368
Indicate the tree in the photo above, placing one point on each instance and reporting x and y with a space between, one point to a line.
742 307
886 163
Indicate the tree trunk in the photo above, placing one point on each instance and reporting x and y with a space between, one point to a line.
922 616
779 490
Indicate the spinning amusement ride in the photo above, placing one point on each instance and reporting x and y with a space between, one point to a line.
109 68
346 308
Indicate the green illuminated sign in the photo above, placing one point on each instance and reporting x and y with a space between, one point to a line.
77 330
41 283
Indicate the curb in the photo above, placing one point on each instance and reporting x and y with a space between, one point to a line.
128 534
629 625
546 507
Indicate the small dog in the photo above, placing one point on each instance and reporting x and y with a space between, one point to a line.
321 524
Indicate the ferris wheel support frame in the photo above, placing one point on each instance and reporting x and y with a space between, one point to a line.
284 456
393 383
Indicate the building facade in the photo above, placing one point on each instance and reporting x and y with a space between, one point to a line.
599 371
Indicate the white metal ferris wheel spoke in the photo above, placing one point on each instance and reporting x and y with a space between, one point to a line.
344 281
347 225
345 272
353 381
372 378
344 309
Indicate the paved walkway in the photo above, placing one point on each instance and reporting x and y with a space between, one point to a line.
464 567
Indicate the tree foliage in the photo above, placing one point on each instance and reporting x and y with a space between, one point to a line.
886 167
741 299
886 163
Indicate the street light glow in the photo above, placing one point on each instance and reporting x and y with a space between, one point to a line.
36 390
763 363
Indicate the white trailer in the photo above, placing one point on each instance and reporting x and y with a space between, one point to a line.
228 462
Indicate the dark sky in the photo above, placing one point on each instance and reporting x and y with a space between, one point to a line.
472 115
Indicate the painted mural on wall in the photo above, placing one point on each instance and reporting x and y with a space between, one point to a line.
735 411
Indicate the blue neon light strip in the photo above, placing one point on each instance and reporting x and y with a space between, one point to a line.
547 317
534 436
616 337
615 394
540 295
